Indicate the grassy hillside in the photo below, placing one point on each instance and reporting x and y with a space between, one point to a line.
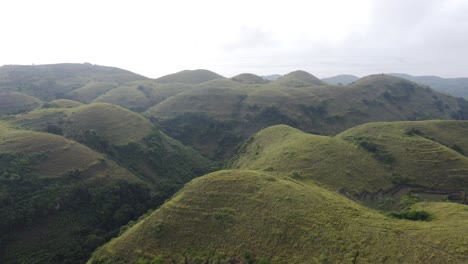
340 79
453 86
54 81
138 96
299 79
248 78
377 163
87 93
115 142
220 114
254 217
60 199
14 103
189 77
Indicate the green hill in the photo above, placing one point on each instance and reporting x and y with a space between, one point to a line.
14 103
115 142
220 114
340 79
54 81
248 78
140 95
368 162
299 79
60 199
189 77
254 217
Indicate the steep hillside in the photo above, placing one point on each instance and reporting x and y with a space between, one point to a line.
62 103
299 79
220 114
248 78
59 199
124 135
14 103
253 217
54 81
340 79
453 86
189 77
369 161
116 139
87 93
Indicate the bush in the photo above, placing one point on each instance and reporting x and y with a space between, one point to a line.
412 215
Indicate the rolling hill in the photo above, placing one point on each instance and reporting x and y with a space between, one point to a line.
14 103
58 198
54 81
189 77
215 118
255 217
122 167
248 78
369 162
299 79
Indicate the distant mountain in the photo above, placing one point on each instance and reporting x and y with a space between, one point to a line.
340 79
189 77
453 86
272 77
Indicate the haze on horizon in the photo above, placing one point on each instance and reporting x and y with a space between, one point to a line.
325 38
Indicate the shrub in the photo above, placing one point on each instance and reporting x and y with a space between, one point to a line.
412 215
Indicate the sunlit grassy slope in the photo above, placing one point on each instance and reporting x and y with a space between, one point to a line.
63 103
15 103
233 111
247 216
368 158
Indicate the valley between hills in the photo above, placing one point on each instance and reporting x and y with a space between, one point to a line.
102 165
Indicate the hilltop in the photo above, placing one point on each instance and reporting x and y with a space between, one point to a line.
367 162
254 217
299 79
189 77
248 78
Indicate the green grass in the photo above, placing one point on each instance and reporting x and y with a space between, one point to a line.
90 91
367 161
299 79
239 215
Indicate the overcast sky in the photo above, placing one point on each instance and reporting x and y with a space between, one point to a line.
325 38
